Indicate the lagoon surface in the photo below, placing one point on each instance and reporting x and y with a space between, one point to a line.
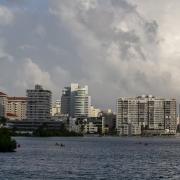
92 158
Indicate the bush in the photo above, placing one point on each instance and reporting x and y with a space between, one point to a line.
6 143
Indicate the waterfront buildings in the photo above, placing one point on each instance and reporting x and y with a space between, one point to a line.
75 101
149 112
90 125
39 104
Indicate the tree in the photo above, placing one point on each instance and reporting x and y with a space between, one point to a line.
6 143
3 121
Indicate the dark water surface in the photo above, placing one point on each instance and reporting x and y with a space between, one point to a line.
92 158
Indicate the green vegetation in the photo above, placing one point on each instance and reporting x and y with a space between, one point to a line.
43 131
3 121
6 143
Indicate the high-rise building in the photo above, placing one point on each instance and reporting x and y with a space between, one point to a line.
147 111
17 106
82 102
75 101
38 103
3 102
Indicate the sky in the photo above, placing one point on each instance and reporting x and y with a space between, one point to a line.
119 48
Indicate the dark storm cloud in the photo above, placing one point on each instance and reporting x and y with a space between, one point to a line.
151 30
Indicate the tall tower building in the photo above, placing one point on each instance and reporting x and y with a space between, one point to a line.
148 111
82 103
75 101
39 103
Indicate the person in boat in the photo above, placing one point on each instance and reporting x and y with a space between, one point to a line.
19 146
56 143
62 145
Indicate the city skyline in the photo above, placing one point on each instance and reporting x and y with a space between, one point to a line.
119 48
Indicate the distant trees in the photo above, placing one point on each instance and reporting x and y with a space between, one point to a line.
6 143
43 131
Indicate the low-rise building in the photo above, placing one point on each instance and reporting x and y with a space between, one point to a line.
110 118
56 110
90 124
94 112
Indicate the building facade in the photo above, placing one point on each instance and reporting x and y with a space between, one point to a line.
110 118
3 102
17 106
90 125
39 104
56 110
148 111
75 101
94 112
82 102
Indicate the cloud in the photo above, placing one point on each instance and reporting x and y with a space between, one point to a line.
6 16
26 46
14 1
113 46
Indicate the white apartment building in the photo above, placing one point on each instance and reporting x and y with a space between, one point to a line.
75 101
56 110
3 102
94 112
148 111
12 107
17 106
38 103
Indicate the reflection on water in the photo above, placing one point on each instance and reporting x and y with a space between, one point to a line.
92 158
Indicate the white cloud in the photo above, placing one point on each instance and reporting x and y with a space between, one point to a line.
26 46
6 16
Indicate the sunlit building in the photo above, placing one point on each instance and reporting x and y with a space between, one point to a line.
75 101
149 112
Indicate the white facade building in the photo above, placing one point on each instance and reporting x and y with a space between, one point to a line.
75 101
38 104
147 111
17 107
94 112
56 110
82 102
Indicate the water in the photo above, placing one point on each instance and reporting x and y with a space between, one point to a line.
92 158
